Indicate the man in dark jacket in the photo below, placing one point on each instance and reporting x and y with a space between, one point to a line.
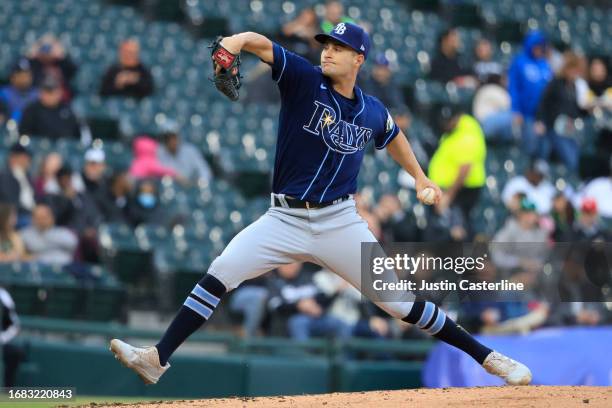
129 77
49 116
445 66
556 114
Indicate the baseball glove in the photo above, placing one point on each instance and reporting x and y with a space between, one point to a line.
226 70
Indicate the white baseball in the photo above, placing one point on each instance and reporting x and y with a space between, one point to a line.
428 195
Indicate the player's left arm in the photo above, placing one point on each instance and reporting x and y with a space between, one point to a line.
400 150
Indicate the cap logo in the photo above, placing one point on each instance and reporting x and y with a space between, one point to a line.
362 48
340 29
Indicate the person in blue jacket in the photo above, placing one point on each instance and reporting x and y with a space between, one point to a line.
528 76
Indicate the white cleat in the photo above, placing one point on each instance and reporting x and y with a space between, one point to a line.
144 361
513 372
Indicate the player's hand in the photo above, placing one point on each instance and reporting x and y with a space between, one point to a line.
422 183
233 45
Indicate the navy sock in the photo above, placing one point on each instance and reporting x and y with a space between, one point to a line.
431 319
196 310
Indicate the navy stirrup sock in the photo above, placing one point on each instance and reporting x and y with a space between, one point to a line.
196 310
431 319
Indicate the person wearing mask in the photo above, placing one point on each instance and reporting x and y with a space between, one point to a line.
528 76
49 116
19 92
129 77
15 185
145 208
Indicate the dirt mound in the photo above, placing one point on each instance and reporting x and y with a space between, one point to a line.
499 397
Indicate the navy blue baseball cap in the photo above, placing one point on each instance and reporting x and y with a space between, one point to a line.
350 35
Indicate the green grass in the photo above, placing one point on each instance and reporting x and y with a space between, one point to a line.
79 400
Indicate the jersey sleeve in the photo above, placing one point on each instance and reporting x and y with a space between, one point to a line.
390 130
293 73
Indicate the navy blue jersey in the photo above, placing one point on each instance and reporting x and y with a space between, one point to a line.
321 134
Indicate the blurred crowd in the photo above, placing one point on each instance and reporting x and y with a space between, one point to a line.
539 103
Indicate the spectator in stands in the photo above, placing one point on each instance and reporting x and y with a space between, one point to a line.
46 242
257 83
534 184
599 81
382 86
48 58
146 163
347 305
145 208
49 116
396 225
71 208
15 185
129 77
563 216
20 92
556 115
524 228
485 67
463 175
250 300
600 190
334 14
92 176
46 180
588 226
445 66
298 35
182 156
112 198
499 312
491 107
11 245
527 78
12 353
296 300
76 210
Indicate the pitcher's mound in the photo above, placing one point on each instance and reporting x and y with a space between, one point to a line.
498 397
